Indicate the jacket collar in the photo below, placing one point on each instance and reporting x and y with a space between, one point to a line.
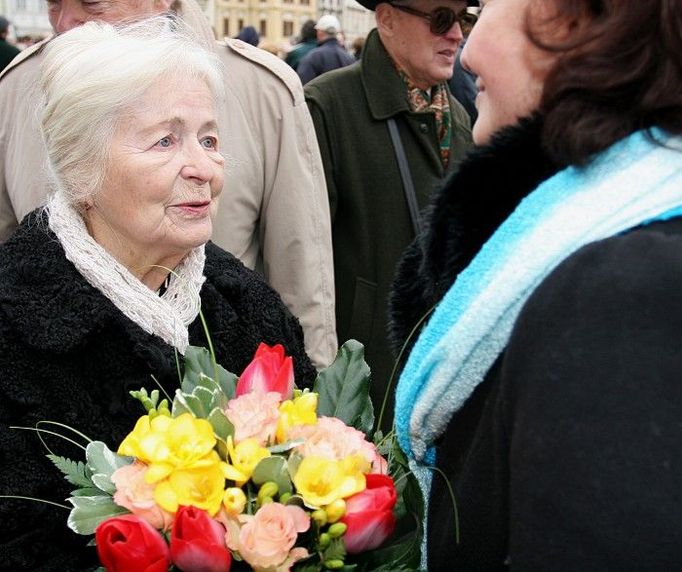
386 91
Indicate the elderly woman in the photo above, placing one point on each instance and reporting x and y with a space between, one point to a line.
99 291
545 386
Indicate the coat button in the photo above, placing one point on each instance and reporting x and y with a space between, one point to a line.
423 127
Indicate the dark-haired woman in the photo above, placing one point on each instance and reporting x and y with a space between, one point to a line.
547 384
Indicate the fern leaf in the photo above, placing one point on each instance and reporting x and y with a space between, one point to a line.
76 472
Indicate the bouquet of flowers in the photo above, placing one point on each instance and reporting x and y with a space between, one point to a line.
249 473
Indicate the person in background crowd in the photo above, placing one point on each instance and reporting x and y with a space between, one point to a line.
329 55
463 82
307 43
269 46
546 384
248 35
399 86
7 51
358 44
274 215
99 290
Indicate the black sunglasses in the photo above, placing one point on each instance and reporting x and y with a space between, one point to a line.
440 19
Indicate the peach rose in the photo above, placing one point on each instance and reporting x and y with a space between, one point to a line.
332 439
266 539
254 415
133 493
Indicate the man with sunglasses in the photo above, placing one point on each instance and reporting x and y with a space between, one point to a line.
389 132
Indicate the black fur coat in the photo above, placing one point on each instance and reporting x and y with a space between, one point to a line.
460 218
566 457
67 354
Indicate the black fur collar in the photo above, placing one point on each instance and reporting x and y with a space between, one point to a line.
462 216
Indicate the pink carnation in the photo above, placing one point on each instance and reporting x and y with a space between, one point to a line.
331 438
266 539
254 415
133 493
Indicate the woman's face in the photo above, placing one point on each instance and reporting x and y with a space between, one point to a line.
164 176
510 69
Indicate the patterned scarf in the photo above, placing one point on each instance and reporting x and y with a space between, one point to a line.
437 103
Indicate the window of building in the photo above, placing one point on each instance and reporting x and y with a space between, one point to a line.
226 26
240 25
305 2
21 4
287 29
263 28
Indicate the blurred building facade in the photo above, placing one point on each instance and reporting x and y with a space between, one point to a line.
275 20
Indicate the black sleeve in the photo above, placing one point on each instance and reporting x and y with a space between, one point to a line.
592 398
33 535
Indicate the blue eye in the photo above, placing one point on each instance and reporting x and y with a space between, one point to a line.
209 143
165 142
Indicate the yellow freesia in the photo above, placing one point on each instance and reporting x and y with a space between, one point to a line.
171 443
302 410
182 462
202 488
244 457
321 481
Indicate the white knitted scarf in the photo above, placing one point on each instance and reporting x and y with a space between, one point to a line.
166 316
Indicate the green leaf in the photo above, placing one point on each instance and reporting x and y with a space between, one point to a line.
286 446
191 403
86 492
205 396
343 388
179 404
405 555
222 428
336 550
197 361
89 512
102 462
75 472
273 469
227 382
293 463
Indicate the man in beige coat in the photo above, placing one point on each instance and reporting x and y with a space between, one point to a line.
274 213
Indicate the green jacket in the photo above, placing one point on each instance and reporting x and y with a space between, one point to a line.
370 219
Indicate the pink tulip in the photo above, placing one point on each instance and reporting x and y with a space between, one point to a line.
269 371
369 515
198 542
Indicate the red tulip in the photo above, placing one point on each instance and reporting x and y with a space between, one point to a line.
129 544
269 370
369 515
198 542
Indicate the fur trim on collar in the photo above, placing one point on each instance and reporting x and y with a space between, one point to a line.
461 217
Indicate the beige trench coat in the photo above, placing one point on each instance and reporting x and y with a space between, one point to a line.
274 211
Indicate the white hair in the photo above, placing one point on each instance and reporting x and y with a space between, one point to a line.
93 74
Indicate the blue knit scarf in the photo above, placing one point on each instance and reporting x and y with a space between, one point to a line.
635 181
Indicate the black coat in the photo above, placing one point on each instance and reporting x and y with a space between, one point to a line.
69 355
566 457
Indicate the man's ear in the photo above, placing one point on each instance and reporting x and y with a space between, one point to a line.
384 15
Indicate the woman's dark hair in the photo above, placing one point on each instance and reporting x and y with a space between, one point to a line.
619 70
308 32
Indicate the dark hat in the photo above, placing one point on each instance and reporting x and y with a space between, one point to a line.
372 4
4 24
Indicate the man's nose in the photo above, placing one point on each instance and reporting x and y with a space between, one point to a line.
455 33
67 17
